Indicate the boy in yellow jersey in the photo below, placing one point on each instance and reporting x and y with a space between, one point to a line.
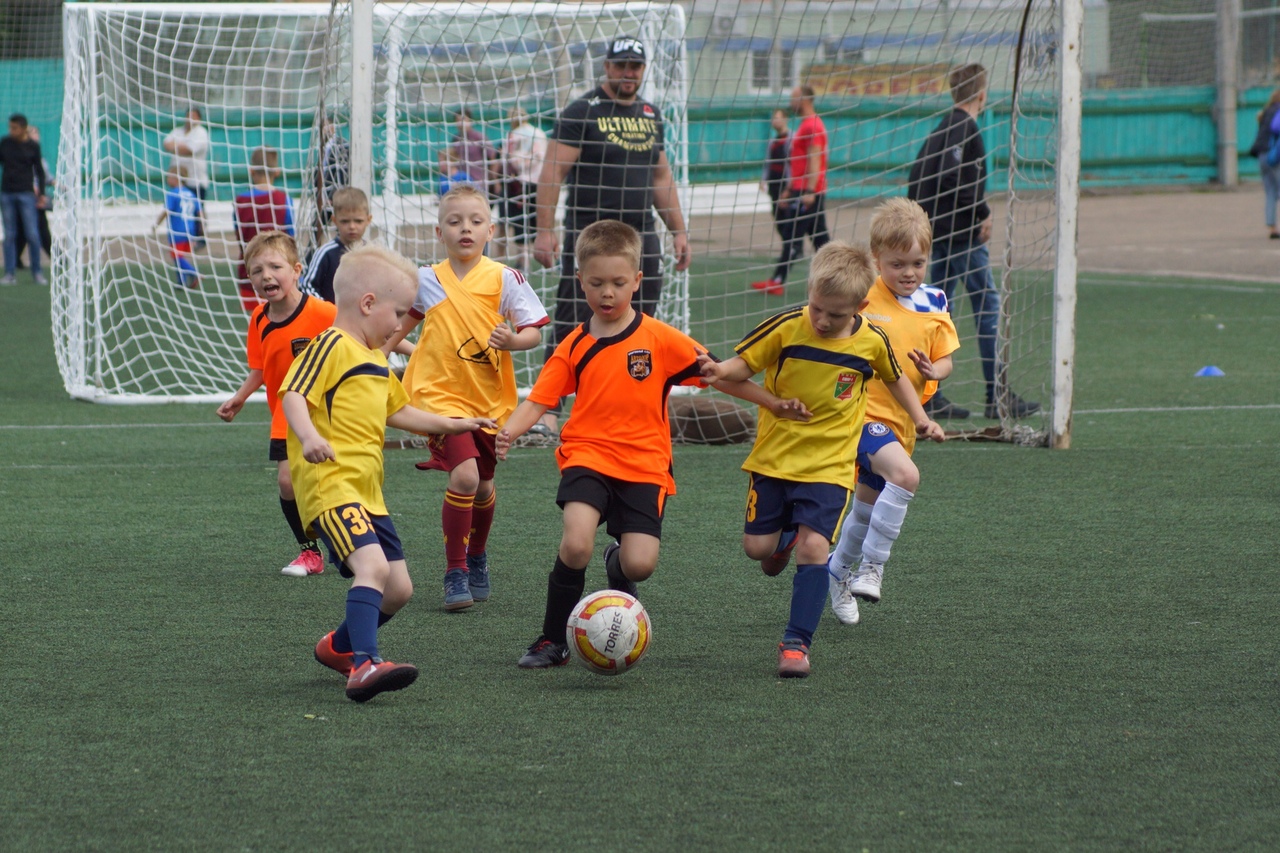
915 319
338 398
824 353
615 450
475 312
285 321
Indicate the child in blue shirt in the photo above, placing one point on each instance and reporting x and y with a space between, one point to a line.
182 209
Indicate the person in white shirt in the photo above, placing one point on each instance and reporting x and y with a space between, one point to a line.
189 146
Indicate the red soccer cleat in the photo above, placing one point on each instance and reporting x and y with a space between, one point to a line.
309 562
376 676
337 661
771 286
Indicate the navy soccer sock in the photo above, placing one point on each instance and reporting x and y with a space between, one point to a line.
808 597
363 605
342 637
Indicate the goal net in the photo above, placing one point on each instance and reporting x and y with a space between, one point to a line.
280 76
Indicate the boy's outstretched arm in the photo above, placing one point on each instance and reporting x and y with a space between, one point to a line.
732 370
416 420
748 390
314 447
525 416
228 410
905 393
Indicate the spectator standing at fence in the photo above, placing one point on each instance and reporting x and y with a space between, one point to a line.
608 148
804 197
1267 118
22 187
43 200
189 145
949 180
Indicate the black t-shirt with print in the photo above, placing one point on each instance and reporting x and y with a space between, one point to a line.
618 149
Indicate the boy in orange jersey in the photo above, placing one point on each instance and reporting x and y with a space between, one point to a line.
824 353
915 319
280 327
474 312
615 449
339 397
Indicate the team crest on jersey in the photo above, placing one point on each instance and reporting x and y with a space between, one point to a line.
298 345
844 385
648 110
639 363
471 350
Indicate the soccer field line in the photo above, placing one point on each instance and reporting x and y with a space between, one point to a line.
1146 410
133 426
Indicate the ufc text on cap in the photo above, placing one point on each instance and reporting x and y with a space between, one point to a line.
626 48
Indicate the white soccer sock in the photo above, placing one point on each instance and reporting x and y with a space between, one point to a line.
886 523
849 546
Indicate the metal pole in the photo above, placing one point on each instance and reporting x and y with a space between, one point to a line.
1228 54
1068 200
362 69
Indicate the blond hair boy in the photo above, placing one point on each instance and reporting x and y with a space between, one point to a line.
801 472
351 217
338 398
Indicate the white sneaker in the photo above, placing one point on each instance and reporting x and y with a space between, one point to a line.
40 279
843 604
866 581
8 280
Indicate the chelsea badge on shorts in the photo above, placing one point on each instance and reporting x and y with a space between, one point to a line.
639 363
877 429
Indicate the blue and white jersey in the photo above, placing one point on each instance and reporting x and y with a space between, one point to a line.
926 300
183 206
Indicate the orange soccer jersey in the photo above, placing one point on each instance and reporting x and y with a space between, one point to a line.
619 425
273 347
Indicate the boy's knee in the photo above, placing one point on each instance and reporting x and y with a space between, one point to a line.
576 554
465 478
757 547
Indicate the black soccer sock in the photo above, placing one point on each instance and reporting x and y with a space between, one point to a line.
564 589
290 509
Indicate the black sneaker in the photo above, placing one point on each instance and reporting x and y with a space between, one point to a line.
544 654
1018 408
613 570
939 407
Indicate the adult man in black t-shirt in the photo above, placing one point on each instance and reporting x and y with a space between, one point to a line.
607 147
21 194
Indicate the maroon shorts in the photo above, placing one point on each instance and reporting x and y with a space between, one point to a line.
450 451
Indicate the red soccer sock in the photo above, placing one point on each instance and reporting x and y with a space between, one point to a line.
455 520
481 523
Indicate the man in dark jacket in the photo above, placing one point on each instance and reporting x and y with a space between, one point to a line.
21 192
949 180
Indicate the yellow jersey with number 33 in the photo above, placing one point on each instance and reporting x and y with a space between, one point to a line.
350 393
830 376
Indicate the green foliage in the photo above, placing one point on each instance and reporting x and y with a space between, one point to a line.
1076 649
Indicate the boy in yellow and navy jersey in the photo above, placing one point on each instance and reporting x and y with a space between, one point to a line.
824 354
915 319
474 313
338 398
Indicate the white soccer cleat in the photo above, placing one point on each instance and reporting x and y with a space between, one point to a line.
865 582
843 604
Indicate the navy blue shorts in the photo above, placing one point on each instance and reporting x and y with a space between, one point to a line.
348 527
774 505
624 507
875 436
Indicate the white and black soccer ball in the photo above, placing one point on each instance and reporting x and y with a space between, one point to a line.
608 632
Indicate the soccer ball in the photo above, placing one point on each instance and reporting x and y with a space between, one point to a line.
608 632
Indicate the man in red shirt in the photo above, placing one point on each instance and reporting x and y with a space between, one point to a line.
803 202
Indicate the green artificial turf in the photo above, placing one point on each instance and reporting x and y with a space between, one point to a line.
1076 649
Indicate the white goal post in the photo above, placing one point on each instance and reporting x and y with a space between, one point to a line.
391 78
